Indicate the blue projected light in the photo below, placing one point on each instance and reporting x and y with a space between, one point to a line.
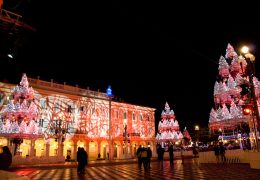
109 91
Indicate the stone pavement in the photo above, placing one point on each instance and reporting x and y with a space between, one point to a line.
191 169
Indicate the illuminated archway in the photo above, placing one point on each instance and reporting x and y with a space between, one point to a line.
40 147
104 149
68 149
143 144
134 148
117 150
81 144
3 142
93 150
24 148
53 147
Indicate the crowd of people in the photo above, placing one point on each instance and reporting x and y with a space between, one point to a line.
219 150
144 157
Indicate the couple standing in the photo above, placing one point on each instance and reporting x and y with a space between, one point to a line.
82 158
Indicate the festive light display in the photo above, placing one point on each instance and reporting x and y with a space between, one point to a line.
19 117
186 134
63 115
168 127
228 94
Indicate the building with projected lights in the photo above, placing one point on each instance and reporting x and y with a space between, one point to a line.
45 121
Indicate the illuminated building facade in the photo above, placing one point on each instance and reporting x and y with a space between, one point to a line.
66 117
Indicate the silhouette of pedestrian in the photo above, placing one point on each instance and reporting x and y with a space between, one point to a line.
149 156
81 156
160 153
222 151
138 154
5 158
144 158
216 152
171 155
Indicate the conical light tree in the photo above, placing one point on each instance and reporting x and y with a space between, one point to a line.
20 115
228 96
168 128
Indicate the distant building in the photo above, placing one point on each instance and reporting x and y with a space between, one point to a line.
69 117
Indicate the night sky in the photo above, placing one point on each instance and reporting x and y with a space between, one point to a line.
149 52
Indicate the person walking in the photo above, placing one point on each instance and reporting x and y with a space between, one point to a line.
5 158
216 152
222 151
80 156
171 155
149 156
144 157
138 154
160 153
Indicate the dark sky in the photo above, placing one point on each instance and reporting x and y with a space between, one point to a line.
149 52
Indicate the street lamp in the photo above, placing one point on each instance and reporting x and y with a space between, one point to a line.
221 131
250 60
110 96
197 128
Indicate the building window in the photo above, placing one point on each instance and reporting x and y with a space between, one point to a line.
141 117
81 108
116 114
43 103
1 98
124 115
103 113
148 117
69 109
57 107
133 116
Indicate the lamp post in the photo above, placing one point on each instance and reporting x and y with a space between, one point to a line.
59 128
197 128
221 131
110 96
250 60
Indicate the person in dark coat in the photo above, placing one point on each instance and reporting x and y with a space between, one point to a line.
171 155
5 158
80 160
216 152
149 156
222 151
160 153
138 154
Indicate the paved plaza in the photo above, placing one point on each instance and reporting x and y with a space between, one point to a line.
191 169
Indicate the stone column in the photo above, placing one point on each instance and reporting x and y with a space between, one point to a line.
87 147
99 147
32 148
75 151
131 148
47 151
60 149
111 154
